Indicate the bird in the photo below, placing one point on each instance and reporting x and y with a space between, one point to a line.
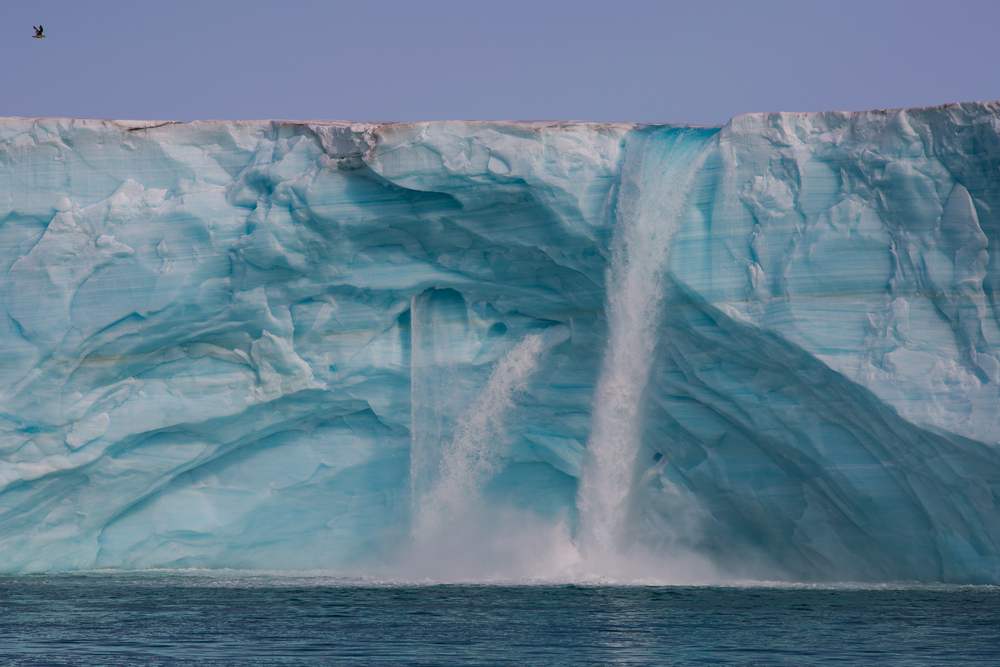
39 31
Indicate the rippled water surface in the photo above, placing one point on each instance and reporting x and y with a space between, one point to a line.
211 619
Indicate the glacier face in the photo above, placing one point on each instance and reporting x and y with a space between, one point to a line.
771 349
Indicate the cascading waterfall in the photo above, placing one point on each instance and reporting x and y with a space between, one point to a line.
455 534
448 472
474 451
647 218
458 444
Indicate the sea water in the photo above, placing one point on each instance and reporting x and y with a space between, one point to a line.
240 618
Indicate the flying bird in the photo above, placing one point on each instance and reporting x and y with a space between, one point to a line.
39 31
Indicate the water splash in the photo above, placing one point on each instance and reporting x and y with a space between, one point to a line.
647 218
455 534
472 456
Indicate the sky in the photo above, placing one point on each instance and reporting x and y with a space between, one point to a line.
692 61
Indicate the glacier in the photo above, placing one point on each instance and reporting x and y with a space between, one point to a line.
768 350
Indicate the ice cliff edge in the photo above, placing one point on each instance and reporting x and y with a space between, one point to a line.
772 346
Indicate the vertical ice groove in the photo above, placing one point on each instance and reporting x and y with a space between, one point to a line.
657 174
415 344
439 348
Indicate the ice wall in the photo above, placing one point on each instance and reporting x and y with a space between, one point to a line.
257 344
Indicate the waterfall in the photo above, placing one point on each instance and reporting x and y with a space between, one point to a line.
456 424
459 432
455 534
471 456
646 220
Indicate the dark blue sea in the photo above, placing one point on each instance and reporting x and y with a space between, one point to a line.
158 618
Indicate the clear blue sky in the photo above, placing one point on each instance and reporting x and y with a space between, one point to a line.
691 61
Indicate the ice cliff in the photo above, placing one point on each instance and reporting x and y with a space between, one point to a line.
771 349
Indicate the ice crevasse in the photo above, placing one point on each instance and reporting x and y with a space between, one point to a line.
773 347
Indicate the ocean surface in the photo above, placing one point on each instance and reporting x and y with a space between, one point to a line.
166 618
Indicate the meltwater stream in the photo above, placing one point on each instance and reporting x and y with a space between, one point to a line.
474 451
656 181
455 534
